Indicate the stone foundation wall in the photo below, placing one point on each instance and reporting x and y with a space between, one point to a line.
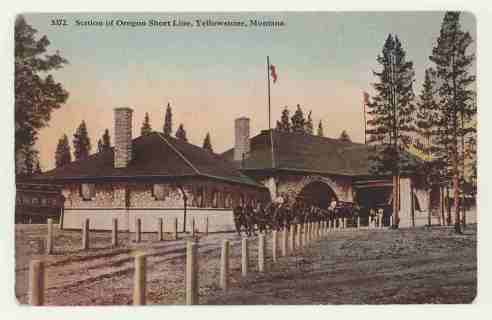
199 194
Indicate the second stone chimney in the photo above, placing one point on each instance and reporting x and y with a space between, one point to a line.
241 141
122 137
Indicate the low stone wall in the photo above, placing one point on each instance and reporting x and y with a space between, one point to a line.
220 220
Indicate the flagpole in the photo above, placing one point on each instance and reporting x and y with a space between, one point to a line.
365 122
269 113
269 109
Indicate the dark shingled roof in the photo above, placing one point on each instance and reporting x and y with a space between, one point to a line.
306 153
154 156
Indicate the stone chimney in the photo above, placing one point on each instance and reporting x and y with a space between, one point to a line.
241 142
122 137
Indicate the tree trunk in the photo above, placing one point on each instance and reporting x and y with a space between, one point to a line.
396 217
429 208
456 195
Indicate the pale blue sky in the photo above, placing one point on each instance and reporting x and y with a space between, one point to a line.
213 75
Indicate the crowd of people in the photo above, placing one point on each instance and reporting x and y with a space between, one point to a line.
280 214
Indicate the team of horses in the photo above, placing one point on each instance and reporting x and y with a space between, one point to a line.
275 216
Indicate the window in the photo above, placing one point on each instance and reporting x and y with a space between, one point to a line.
88 191
160 191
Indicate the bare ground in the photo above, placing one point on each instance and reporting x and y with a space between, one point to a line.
364 267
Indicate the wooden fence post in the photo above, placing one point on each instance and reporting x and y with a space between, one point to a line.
139 281
244 257
305 230
274 245
261 252
193 227
292 234
224 265
138 230
160 231
298 236
36 283
114 233
49 239
284 242
85 235
175 231
191 273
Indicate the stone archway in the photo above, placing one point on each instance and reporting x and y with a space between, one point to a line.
317 193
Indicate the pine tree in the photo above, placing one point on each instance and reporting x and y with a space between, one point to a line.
100 147
146 128
38 169
452 64
63 154
427 139
390 111
81 142
320 129
284 124
181 133
344 136
207 143
106 140
308 126
298 121
168 121
37 93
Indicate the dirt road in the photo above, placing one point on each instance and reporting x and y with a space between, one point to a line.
375 267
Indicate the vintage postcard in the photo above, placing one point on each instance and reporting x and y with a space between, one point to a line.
245 158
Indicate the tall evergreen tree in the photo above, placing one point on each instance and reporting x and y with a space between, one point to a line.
298 121
168 121
427 140
181 133
344 136
308 126
207 143
284 124
146 128
391 114
452 63
37 93
106 140
100 147
81 142
38 169
63 154
320 129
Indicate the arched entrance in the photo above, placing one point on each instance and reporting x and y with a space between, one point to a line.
317 193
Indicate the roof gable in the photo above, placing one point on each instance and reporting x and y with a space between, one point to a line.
153 155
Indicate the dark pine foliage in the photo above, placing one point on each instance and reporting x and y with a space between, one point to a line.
146 128
181 133
452 62
391 110
81 142
207 143
168 121
63 154
37 93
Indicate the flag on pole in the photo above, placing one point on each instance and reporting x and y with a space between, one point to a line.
366 98
273 72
